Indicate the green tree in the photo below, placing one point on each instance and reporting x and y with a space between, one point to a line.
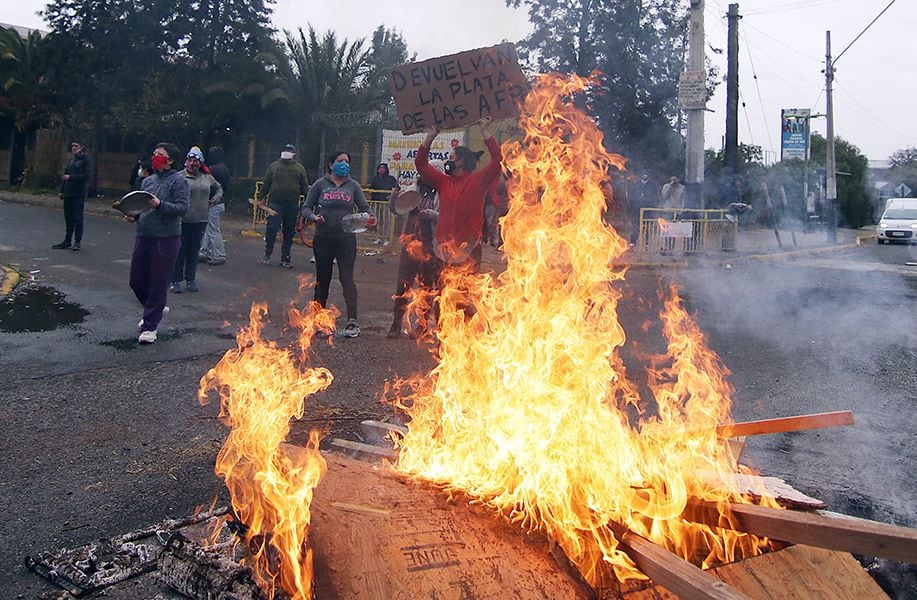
904 167
25 97
639 48
904 157
207 31
854 208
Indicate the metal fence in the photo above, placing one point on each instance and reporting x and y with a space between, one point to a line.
686 231
385 229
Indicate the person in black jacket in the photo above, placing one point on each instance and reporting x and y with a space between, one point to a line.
382 184
73 193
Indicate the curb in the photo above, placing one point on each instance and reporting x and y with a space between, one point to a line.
9 279
858 242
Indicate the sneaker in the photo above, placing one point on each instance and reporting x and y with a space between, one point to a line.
165 311
286 264
175 288
75 247
203 258
192 286
61 246
351 330
215 262
266 260
147 337
394 332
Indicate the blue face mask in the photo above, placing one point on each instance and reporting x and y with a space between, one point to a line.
341 169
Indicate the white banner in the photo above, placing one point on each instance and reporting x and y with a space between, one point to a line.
399 150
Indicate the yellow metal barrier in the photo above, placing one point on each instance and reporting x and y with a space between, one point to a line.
685 231
385 229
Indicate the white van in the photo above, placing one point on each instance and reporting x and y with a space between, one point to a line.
898 222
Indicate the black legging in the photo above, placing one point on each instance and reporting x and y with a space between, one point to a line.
73 217
186 263
327 250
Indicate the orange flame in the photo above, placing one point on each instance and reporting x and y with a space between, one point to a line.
529 410
262 387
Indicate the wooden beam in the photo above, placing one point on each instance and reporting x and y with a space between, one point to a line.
673 572
821 529
784 424
364 448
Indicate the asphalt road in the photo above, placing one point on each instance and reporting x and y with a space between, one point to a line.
100 436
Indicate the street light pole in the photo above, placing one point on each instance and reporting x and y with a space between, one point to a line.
830 163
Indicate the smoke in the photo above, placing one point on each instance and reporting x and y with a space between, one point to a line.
803 340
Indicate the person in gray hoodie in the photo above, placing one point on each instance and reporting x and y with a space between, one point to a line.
158 238
205 192
330 205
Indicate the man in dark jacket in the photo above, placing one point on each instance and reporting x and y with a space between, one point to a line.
73 193
284 183
213 250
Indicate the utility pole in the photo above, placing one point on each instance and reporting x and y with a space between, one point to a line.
830 164
731 150
694 151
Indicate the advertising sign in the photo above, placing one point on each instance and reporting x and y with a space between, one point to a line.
455 91
794 139
399 150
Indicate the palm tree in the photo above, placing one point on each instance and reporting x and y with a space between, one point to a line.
334 85
24 101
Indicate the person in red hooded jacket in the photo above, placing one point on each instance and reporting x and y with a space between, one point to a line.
462 191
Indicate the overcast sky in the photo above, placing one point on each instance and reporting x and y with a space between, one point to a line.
782 53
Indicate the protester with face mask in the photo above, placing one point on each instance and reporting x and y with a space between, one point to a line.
158 239
73 193
284 182
205 191
461 197
330 205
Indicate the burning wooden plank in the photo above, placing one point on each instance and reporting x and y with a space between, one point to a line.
820 529
786 424
675 574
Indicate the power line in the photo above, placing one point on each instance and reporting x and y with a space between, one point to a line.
790 7
760 99
878 121
861 33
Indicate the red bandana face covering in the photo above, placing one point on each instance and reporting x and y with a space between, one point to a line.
159 162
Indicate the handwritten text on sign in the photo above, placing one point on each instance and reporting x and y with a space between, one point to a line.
454 91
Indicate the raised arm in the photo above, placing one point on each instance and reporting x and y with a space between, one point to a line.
422 161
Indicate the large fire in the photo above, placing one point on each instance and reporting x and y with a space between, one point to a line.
529 410
262 387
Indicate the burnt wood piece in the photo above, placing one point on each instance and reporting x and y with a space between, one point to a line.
672 572
785 424
380 432
817 528
757 486
205 573
369 449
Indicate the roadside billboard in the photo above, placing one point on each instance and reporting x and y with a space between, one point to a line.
794 137
399 150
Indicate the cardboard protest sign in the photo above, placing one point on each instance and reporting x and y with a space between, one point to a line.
457 90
